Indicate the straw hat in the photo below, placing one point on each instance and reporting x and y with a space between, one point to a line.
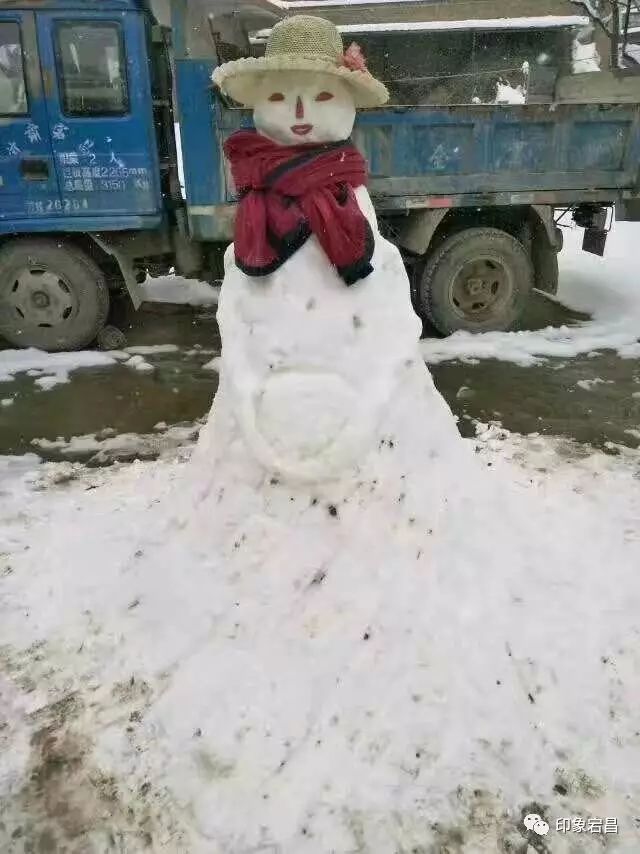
302 43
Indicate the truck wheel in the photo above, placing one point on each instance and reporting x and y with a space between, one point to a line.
478 280
53 297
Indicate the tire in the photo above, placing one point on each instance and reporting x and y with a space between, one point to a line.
52 296
478 280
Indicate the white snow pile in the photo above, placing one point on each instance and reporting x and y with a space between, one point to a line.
589 385
507 94
53 369
50 369
585 56
180 291
606 288
185 706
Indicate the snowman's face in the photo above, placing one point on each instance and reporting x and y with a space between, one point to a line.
297 108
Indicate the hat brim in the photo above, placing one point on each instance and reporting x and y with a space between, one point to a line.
237 79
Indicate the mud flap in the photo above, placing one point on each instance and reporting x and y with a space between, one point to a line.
595 240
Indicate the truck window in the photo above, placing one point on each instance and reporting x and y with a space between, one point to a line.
92 69
13 91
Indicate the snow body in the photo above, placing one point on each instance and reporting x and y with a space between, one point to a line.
310 366
322 386
328 487
321 484
328 447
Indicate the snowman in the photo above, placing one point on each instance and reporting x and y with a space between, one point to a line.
320 363
329 529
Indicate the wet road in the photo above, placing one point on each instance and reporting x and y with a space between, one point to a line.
557 397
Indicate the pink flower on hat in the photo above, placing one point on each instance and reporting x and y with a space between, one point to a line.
353 58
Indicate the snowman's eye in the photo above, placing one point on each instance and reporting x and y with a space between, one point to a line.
324 96
277 96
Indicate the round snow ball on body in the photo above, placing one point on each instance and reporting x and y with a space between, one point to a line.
302 43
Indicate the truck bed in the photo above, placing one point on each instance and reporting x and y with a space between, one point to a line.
485 154
480 150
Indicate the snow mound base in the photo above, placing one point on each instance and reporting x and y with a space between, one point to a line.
161 698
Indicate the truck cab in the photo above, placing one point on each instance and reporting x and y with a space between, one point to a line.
84 164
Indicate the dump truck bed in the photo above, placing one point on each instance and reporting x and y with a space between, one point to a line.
479 154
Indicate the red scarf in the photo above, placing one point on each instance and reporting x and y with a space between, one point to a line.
288 193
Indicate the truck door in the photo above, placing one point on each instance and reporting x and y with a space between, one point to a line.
101 114
28 183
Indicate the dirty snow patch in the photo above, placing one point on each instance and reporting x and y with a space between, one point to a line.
588 385
108 442
123 646
139 363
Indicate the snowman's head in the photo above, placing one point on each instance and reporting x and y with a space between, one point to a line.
302 107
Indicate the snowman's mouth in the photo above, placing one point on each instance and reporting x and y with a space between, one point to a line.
301 130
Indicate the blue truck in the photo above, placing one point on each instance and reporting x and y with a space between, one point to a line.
92 202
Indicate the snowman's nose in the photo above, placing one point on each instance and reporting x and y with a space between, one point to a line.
299 108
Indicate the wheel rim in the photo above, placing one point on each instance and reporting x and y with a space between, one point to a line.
41 299
481 288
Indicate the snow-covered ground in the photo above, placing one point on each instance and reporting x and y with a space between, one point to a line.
116 733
